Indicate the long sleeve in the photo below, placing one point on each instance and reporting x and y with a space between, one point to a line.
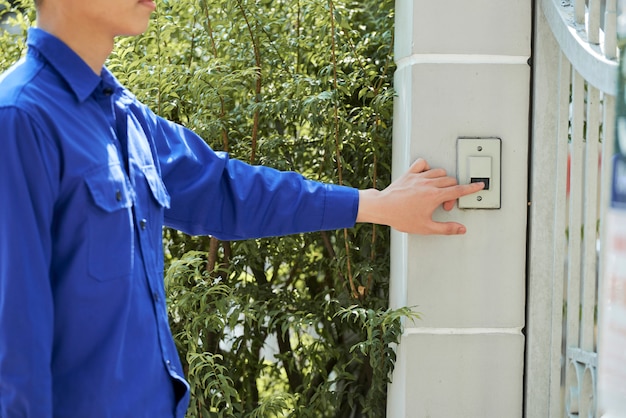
213 194
27 195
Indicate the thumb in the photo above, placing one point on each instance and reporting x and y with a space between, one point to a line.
447 228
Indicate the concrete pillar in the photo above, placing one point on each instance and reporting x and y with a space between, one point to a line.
462 71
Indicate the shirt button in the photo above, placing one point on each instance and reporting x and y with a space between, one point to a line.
168 364
107 91
142 224
155 296
118 195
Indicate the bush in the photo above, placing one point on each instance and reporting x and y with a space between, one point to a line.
293 326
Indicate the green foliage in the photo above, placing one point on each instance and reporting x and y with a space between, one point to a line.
14 23
294 326
381 328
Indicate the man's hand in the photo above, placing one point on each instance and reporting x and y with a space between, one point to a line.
409 202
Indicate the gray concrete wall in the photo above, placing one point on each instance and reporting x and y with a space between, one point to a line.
462 71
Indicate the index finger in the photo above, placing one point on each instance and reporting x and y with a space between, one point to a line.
454 192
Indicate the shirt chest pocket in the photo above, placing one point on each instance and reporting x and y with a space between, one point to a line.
156 186
110 224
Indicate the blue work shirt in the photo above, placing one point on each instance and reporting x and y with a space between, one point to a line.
88 178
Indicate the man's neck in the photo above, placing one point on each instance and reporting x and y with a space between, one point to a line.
92 47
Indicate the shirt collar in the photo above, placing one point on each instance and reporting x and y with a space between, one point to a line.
76 73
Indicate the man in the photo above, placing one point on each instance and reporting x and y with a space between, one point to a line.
89 176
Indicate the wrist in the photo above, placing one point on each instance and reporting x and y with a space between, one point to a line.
370 210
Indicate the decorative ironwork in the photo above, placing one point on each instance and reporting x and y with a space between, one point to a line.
573 128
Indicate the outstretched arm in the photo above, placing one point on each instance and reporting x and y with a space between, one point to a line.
409 202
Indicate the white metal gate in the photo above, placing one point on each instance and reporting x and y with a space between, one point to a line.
574 89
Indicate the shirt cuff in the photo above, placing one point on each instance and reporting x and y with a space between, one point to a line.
341 206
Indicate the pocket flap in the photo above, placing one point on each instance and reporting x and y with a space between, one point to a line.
110 188
156 185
